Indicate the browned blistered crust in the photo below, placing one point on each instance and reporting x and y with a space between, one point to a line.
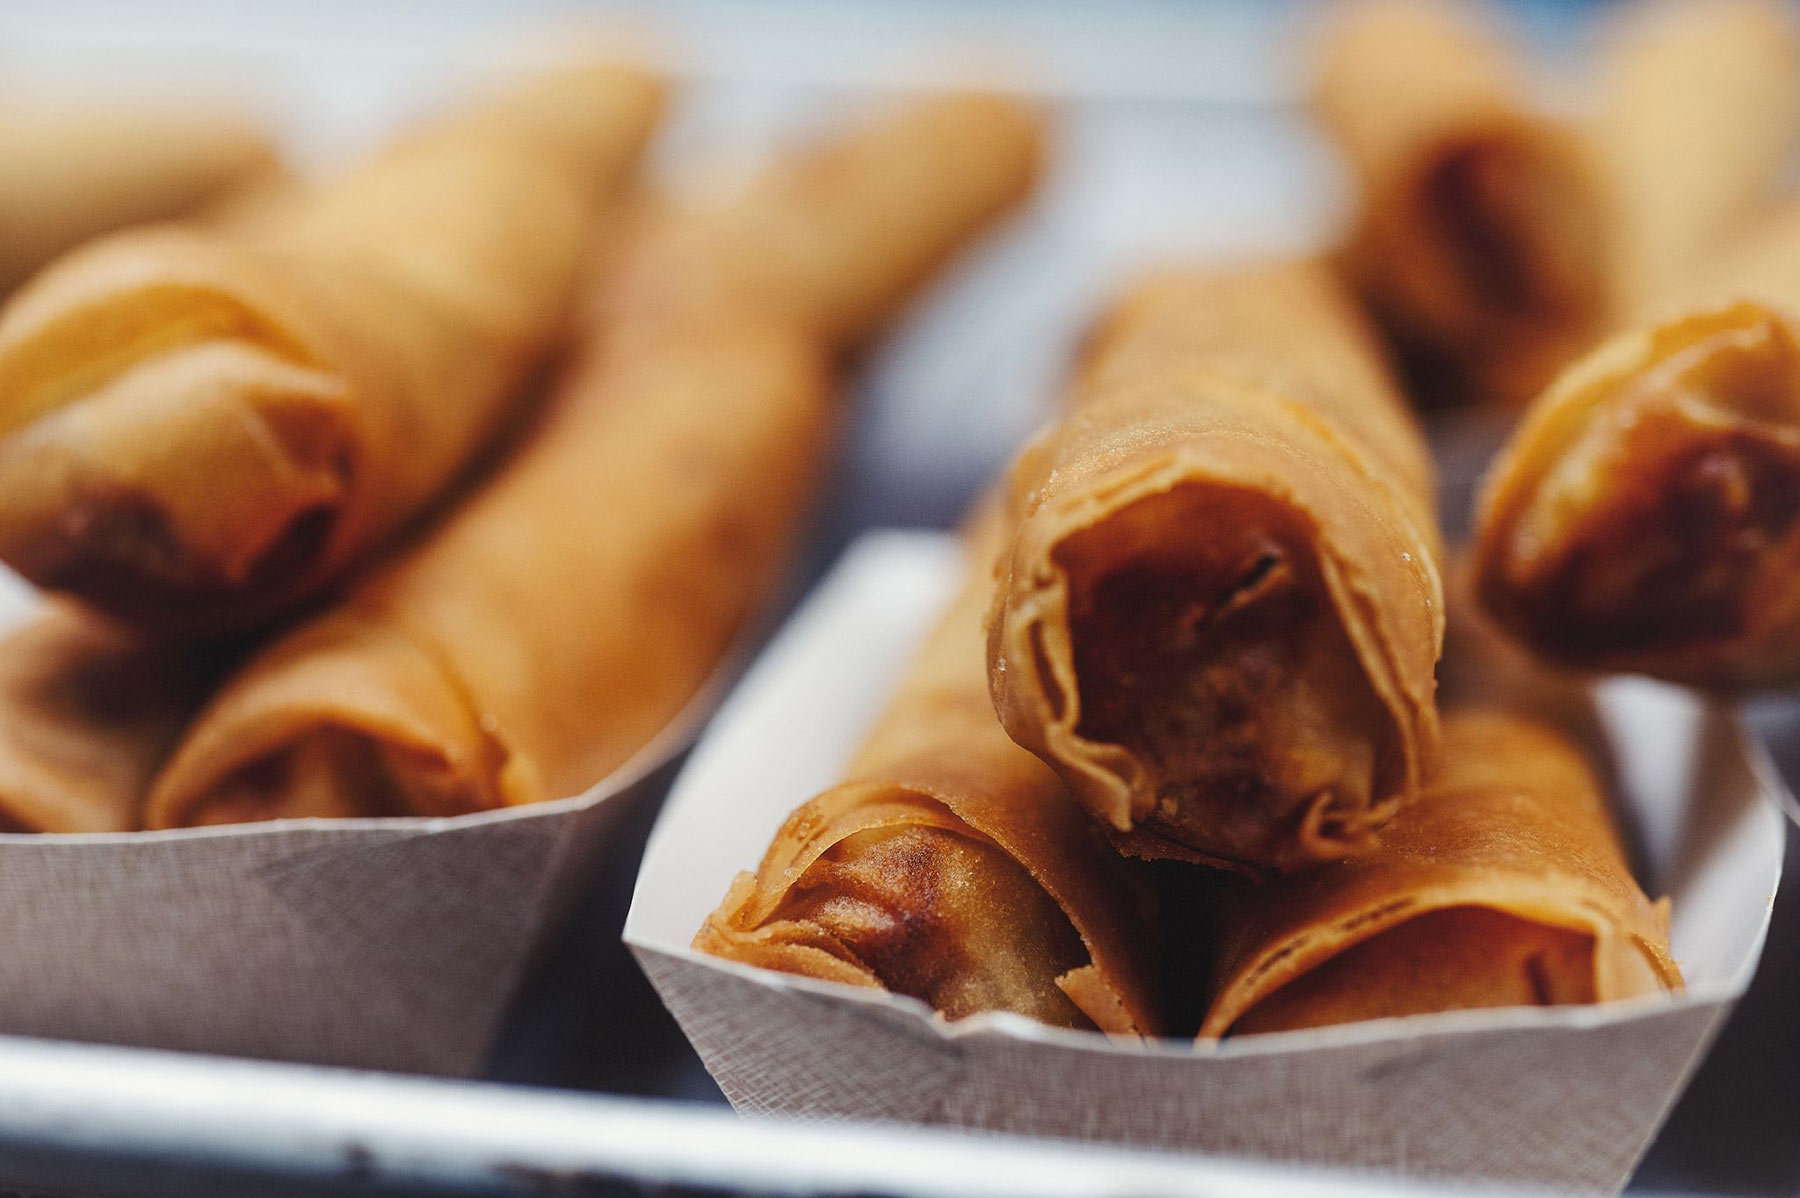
573 606
952 866
200 428
1220 605
1504 884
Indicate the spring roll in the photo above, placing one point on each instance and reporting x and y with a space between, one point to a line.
1220 605
87 715
201 429
1478 240
1504 885
1643 515
70 174
553 625
1697 116
952 866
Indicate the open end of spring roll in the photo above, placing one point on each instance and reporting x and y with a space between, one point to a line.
896 892
1221 607
1207 648
954 867
1647 515
87 715
1504 885
1479 238
200 429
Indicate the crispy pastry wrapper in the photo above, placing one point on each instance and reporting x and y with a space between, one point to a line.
70 173
1643 515
199 429
523 650
87 715
839 233
1505 884
952 866
1220 604
1695 124
1478 241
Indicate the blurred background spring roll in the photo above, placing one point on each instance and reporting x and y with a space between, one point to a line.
1643 515
574 605
70 173
1220 603
1477 242
201 429
88 713
1693 129
1505 884
952 866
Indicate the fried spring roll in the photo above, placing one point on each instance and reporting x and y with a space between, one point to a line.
952 867
200 429
69 174
1503 885
1643 515
570 609
1478 243
1699 108
1220 605
87 715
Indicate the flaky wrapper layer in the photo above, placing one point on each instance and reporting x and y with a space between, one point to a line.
1504 884
199 429
567 611
1259 397
1643 516
938 760
1478 241
88 713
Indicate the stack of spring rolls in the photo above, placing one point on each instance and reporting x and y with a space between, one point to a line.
446 486
1211 633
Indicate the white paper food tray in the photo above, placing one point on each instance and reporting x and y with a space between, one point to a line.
1567 1098
391 943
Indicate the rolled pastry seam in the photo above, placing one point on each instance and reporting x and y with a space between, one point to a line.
200 429
1503 885
952 867
1478 240
836 236
87 715
1697 114
1643 515
68 174
523 651
571 608
1220 604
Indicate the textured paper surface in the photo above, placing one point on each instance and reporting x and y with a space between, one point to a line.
1567 1098
388 943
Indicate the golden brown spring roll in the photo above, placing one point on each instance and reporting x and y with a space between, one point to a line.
69 174
570 609
200 429
1478 240
1220 605
952 866
87 715
1504 885
846 229
1697 116
1643 515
